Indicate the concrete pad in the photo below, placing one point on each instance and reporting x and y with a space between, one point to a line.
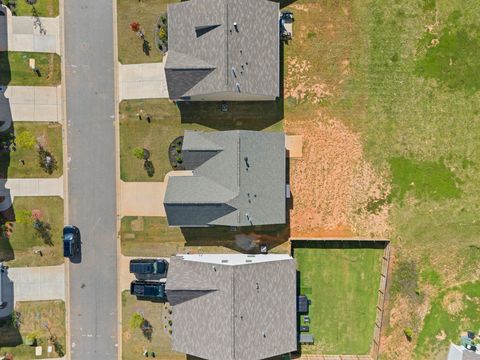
294 146
26 33
38 283
31 103
32 187
142 198
142 81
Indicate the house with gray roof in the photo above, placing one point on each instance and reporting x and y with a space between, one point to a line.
233 307
223 50
237 178
459 352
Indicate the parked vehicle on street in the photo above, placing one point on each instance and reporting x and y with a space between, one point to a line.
149 267
71 241
148 289
3 303
304 328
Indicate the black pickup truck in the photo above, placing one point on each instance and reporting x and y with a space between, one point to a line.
148 289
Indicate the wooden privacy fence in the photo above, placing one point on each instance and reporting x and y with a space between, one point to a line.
382 289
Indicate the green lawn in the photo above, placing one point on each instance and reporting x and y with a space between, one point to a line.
151 236
15 69
24 240
42 318
134 342
454 311
343 287
44 8
49 135
169 121
146 13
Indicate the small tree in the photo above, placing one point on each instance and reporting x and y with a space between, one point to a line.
408 333
30 339
26 140
23 216
135 26
139 153
43 231
46 160
136 321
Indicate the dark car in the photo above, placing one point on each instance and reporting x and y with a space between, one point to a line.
71 241
149 267
148 289
2 275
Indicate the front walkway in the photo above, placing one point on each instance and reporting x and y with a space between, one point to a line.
142 81
38 283
30 103
27 33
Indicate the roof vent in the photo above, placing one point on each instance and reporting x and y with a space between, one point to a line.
235 25
264 334
224 261
234 72
214 268
238 87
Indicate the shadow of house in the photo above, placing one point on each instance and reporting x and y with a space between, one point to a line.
242 239
7 139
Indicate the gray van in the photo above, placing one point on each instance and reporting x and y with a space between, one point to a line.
3 275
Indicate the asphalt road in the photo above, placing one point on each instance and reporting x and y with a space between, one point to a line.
89 71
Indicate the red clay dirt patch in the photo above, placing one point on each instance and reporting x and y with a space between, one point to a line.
332 185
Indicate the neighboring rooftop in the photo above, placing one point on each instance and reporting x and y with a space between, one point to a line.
233 312
238 179
457 352
223 46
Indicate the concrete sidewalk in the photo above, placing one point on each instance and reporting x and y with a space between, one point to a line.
142 81
31 103
27 33
38 283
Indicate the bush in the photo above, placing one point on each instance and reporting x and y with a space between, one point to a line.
162 34
46 160
408 333
149 168
405 280
138 153
136 321
30 339
23 216
26 140
43 231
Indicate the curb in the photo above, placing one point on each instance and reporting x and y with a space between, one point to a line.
117 176
64 122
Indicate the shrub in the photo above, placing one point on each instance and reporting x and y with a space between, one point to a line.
30 339
149 168
26 140
162 34
138 153
135 26
46 160
405 280
136 321
23 216
408 333
43 231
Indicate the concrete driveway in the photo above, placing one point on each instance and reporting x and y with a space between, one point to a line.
30 103
26 33
142 81
142 198
38 283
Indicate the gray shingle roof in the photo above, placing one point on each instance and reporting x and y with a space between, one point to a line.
219 313
204 46
238 180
